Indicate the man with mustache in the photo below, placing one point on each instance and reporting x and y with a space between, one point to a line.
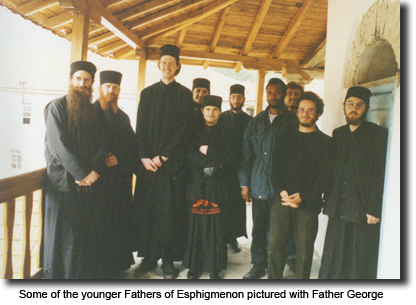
301 170
162 129
255 171
355 202
234 122
75 152
117 176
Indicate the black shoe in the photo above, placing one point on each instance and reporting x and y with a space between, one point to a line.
254 274
193 275
235 246
214 275
169 271
144 267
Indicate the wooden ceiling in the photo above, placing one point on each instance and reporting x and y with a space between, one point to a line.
275 35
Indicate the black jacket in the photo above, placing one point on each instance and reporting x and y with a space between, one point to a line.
71 152
358 177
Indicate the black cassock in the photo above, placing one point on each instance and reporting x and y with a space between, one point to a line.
351 245
73 214
162 130
234 126
117 192
208 202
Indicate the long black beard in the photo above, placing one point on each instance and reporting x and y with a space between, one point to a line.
237 109
79 107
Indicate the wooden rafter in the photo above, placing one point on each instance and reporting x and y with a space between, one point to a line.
293 27
181 37
35 6
264 7
141 8
217 33
192 18
316 57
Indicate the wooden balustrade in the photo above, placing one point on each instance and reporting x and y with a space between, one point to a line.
24 186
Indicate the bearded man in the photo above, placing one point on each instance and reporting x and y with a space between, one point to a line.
75 151
234 122
355 202
255 172
200 88
117 176
301 170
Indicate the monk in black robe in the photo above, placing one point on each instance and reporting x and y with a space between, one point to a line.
117 177
234 122
75 151
355 202
162 130
207 195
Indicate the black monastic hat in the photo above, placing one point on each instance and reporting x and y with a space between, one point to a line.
109 76
212 100
201 83
237 89
85 66
361 92
170 49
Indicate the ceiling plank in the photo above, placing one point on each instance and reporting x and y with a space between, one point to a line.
112 47
114 25
264 8
125 53
58 20
181 38
191 19
293 27
100 38
217 33
35 6
316 57
141 8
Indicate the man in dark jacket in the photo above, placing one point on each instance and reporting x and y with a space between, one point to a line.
75 152
256 168
117 176
234 122
355 202
301 170
162 129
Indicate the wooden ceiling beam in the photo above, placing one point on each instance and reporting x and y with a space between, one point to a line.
162 14
58 20
111 47
298 70
141 8
191 19
181 37
316 57
217 34
101 38
264 8
293 27
35 6
115 25
125 53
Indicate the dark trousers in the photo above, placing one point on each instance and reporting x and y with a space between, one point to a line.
304 224
261 220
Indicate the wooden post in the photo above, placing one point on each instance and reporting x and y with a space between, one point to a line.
27 217
8 225
261 75
142 75
79 42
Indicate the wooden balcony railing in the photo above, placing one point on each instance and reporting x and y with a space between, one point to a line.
21 188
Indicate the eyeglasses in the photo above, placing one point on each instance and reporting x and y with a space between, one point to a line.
309 111
358 105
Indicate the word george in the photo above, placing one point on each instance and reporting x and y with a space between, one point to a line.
366 294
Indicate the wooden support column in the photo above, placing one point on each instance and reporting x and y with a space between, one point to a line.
8 225
142 75
27 218
79 42
261 75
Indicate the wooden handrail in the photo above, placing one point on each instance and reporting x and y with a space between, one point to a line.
11 189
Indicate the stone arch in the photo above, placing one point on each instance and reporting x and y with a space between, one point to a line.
375 51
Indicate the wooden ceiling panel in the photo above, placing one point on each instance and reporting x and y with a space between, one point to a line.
248 26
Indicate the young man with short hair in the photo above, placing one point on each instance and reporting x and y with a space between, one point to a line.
302 164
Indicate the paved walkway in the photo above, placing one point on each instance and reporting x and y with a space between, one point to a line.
238 263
